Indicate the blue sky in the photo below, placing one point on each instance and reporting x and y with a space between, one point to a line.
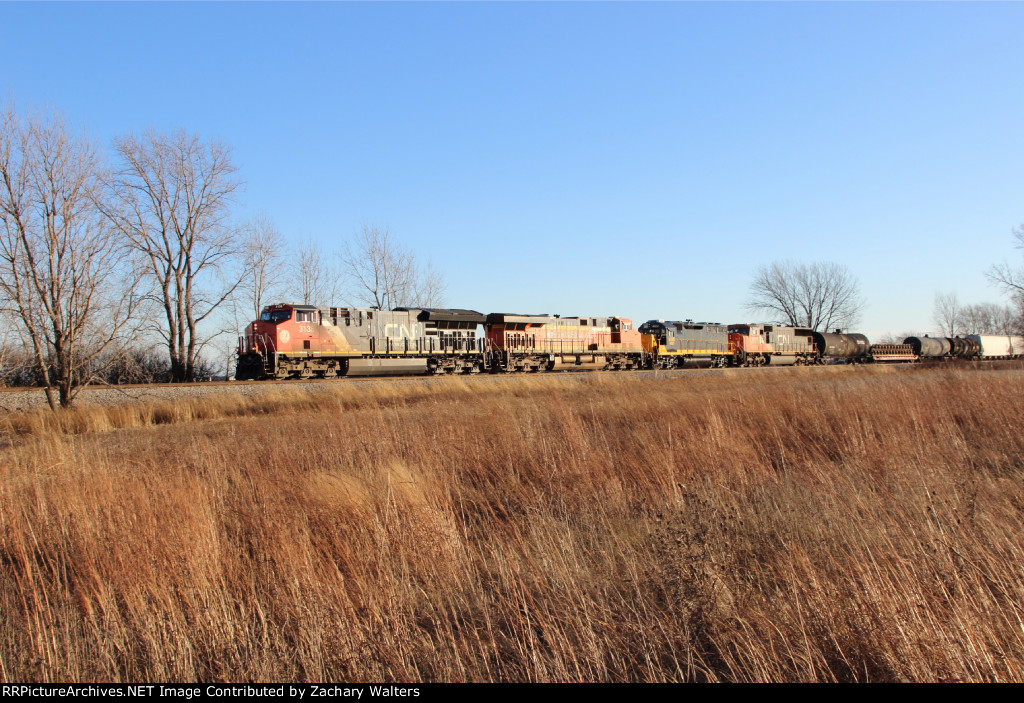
640 159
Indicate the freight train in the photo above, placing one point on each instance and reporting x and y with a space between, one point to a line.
305 341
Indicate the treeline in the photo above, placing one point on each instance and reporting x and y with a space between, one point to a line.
104 261
952 318
133 365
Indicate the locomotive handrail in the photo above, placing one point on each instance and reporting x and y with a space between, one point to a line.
446 345
701 345
267 340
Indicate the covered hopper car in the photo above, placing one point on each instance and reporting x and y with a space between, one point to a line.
993 346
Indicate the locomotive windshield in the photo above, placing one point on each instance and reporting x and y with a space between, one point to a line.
276 316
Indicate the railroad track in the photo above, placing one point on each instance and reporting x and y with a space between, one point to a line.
13 399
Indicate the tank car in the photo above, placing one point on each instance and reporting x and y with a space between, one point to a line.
839 347
957 347
759 345
963 348
687 344
929 347
302 341
551 342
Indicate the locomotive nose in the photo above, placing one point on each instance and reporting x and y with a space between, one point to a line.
264 336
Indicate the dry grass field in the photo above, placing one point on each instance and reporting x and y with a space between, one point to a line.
850 524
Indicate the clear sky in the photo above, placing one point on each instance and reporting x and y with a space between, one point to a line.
639 159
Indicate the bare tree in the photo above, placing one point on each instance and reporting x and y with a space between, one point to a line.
947 313
176 192
263 263
383 274
818 296
1011 280
61 261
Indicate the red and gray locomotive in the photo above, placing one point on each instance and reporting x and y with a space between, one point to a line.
303 341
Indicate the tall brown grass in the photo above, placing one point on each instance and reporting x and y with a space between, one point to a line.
776 525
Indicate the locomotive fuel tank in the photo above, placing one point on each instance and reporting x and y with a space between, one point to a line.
780 360
386 367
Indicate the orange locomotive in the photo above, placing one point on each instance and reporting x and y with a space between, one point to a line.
550 342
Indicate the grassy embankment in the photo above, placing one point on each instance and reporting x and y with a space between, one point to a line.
811 525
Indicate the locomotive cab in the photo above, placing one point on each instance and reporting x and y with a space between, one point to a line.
284 328
623 333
